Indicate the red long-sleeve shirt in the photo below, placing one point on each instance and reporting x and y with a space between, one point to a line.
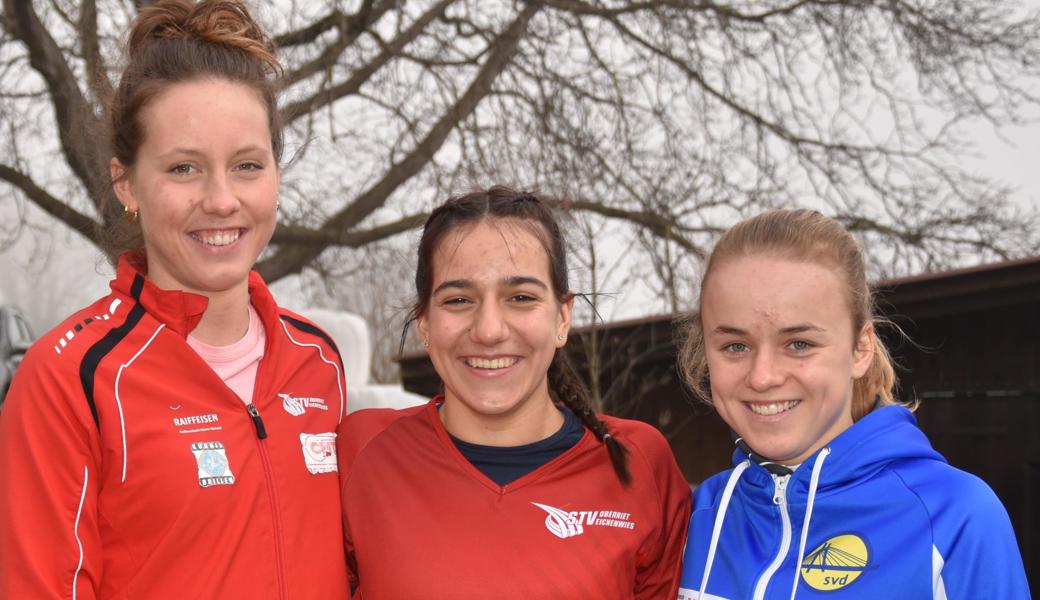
422 522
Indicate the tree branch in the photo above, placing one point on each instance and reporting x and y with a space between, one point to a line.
351 86
56 208
305 236
293 259
350 28
75 119
661 225
97 74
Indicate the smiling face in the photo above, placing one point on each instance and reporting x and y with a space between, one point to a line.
205 181
493 324
782 354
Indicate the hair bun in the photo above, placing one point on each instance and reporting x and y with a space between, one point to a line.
220 22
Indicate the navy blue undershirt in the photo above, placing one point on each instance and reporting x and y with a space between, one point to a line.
506 464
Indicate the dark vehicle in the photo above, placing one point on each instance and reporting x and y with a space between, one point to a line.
15 339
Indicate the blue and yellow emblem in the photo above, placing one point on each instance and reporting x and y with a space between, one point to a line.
836 563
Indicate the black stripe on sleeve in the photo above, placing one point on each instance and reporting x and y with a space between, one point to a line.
311 329
102 347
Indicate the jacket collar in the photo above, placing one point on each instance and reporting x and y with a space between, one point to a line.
181 311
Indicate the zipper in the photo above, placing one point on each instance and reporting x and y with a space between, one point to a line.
261 431
272 495
780 499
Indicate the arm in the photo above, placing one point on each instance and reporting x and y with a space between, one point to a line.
657 575
49 482
353 434
975 553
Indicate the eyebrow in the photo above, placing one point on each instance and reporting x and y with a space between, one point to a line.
196 152
517 280
799 328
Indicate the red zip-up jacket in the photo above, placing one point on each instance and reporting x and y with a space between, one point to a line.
129 470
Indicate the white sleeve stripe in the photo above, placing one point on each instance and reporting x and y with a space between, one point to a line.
119 401
938 586
335 366
75 530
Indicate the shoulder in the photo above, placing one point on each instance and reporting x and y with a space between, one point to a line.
639 437
648 451
63 347
361 427
303 330
51 373
951 497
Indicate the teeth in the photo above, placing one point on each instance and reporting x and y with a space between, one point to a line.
772 409
494 363
218 238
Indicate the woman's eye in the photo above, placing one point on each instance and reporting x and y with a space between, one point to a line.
800 345
736 347
182 169
456 300
249 166
522 298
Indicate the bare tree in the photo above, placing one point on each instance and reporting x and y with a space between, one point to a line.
671 117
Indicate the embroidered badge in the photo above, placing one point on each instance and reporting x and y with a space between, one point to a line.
213 464
319 452
298 406
836 563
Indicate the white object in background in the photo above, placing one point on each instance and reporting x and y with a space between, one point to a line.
381 396
350 332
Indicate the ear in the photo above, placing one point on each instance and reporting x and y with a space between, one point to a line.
863 352
121 184
564 325
423 329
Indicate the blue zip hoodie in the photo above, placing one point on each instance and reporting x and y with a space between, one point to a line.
877 513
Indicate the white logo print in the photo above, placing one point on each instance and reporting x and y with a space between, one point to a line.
319 452
213 464
297 406
564 524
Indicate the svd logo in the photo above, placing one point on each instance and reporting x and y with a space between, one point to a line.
836 563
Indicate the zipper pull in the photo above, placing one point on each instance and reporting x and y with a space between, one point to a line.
780 494
261 431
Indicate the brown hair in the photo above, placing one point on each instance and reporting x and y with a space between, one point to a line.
174 41
500 203
804 235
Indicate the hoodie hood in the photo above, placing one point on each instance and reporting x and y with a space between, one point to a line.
886 435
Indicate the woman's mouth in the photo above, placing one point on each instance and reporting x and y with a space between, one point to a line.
767 409
491 363
217 237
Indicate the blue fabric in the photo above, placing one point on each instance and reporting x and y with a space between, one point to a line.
886 504
506 464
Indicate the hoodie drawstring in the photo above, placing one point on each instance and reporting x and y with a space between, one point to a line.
813 483
720 515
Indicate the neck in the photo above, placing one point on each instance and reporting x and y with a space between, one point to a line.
525 424
226 319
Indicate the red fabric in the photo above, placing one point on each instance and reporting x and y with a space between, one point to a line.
421 522
68 519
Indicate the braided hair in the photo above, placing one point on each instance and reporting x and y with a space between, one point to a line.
531 212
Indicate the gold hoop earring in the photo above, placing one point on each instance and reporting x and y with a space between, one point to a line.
130 215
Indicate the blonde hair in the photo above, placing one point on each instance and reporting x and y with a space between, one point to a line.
803 235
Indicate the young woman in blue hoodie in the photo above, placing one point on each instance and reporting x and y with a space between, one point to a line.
835 493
